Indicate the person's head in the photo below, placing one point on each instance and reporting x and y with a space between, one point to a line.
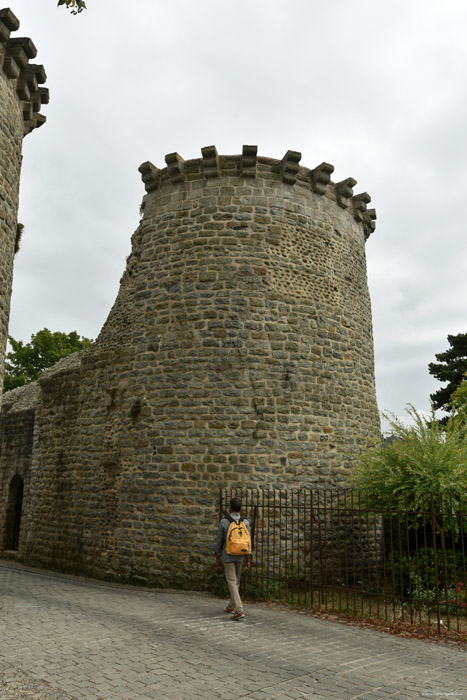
235 505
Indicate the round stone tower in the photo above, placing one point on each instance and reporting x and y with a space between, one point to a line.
21 98
238 353
246 307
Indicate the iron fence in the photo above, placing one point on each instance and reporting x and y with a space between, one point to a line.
346 551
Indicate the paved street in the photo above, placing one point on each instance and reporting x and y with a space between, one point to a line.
64 638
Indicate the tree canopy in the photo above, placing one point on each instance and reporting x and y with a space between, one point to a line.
451 367
26 362
75 6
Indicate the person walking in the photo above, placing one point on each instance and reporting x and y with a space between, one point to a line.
233 563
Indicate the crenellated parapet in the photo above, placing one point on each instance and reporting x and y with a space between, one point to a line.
249 165
26 78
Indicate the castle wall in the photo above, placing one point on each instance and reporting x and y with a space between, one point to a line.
73 515
239 352
20 102
16 448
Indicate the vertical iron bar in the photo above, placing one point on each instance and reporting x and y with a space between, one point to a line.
346 512
265 532
360 529
312 548
332 530
427 576
298 549
339 550
325 545
409 558
385 583
254 544
354 573
462 540
377 555
274 526
417 561
280 545
391 544
305 550
320 550
443 552
399 543
435 554
369 550
292 554
454 560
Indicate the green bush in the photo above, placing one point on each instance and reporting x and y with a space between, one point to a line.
411 578
425 458
451 598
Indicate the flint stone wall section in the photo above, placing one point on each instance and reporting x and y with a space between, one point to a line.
239 352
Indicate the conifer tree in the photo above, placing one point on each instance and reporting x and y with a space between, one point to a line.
451 367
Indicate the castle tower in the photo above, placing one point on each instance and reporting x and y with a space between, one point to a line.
238 353
246 305
21 98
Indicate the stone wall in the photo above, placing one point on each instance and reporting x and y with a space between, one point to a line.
239 352
21 98
16 448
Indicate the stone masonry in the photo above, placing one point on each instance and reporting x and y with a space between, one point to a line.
238 352
21 98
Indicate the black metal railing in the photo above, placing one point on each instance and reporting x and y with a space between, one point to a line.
379 558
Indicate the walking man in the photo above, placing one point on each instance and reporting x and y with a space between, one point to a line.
233 563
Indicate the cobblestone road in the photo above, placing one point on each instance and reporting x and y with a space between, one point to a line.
63 638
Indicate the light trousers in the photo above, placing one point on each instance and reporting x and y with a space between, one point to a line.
233 574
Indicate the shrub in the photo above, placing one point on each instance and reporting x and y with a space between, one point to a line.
425 458
414 574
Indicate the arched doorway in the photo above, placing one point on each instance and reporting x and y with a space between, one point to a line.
14 511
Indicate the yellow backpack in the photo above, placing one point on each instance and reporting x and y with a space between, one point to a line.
238 540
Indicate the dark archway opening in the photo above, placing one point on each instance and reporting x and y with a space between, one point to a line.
13 513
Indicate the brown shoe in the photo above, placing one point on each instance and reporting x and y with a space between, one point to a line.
230 609
238 615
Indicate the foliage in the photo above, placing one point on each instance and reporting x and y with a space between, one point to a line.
459 401
218 585
254 588
75 6
417 572
453 597
425 458
27 361
451 367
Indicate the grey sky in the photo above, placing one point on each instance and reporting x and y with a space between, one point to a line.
377 88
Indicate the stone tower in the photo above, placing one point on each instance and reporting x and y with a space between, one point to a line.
246 305
21 98
238 352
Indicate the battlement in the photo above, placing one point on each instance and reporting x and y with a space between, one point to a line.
249 165
26 78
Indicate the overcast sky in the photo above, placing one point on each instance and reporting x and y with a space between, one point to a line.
378 88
